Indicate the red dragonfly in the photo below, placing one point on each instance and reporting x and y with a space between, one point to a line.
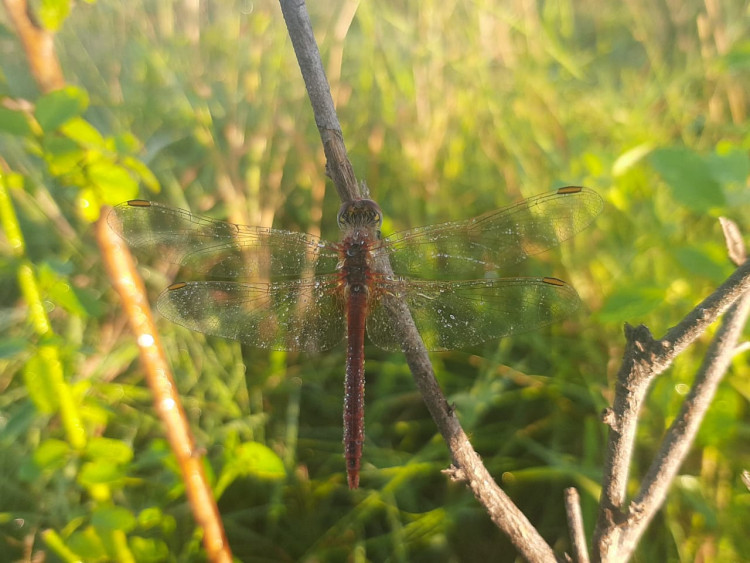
292 291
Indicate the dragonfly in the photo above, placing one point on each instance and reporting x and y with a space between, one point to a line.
284 290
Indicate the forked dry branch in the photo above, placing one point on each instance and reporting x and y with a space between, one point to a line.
620 526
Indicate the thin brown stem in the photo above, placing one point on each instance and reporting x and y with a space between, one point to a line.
467 465
39 46
129 286
338 166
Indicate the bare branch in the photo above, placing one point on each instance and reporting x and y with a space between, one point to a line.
39 45
338 166
575 523
699 319
741 348
682 431
644 359
129 286
733 238
468 465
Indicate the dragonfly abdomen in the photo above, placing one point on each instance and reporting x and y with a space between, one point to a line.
354 386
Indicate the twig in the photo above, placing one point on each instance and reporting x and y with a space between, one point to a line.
618 530
467 463
338 167
129 286
735 245
39 45
575 523
683 429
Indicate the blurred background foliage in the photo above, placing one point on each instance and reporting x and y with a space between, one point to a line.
448 109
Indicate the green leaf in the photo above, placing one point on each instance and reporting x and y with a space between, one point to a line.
630 158
18 423
88 545
14 122
126 143
719 425
88 204
51 455
250 458
631 304
64 550
701 262
689 177
113 518
52 13
145 174
37 380
58 107
63 155
730 167
154 517
109 450
83 133
147 550
150 517
112 179
60 291
259 460
90 300
100 472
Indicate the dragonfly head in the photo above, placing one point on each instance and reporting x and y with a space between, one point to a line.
360 213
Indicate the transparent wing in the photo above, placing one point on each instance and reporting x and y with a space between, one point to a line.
218 249
472 248
301 315
453 315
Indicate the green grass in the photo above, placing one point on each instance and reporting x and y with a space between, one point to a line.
448 110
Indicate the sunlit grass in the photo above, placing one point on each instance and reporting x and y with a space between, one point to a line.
448 110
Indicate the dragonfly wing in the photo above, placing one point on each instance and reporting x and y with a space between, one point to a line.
300 315
219 249
453 315
472 248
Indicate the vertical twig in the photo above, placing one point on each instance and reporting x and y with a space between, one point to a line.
129 286
338 166
39 46
575 524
